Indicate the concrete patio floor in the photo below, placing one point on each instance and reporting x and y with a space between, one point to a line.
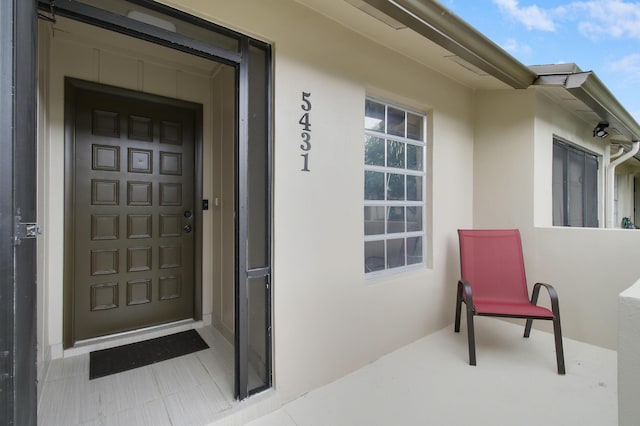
429 382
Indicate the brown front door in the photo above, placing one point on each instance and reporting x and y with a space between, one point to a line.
133 211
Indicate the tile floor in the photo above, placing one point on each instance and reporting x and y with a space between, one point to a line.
428 382
190 390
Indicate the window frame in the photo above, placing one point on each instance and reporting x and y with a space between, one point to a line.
570 148
388 204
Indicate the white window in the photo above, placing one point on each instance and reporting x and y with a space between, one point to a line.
394 188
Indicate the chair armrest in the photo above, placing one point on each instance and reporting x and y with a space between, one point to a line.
553 295
465 294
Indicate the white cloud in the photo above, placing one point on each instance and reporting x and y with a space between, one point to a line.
606 18
516 48
531 16
595 18
628 65
625 76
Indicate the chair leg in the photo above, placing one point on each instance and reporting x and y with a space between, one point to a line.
471 336
456 326
527 328
557 332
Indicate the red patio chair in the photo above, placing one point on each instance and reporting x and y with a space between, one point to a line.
494 284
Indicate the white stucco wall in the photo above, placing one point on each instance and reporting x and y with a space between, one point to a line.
504 159
589 267
625 191
328 320
491 167
629 356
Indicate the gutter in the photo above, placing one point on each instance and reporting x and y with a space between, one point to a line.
438 24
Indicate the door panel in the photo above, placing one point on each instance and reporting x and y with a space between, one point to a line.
134 213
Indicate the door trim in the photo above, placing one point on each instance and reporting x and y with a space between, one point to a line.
72 85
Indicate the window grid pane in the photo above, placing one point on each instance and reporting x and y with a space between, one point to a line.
395 154
414 157
394 162
373 151
395 253
395 220
373 185
395 122
374 117
414 250
374 220
415 126
395 186
374 253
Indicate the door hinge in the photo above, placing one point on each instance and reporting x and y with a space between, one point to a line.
25 230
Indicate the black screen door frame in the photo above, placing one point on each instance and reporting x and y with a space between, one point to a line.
242 64
18 372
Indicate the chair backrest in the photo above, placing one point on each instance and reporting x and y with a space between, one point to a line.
491 261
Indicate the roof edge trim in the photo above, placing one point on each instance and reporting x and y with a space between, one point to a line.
587 87
443 27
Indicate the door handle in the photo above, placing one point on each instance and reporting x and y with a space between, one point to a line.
187 229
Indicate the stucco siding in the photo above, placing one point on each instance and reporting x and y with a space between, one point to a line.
512 188
328 319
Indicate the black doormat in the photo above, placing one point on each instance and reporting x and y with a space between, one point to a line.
122 358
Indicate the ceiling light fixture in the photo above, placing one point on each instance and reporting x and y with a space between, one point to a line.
600 130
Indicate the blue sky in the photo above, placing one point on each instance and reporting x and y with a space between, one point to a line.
598 35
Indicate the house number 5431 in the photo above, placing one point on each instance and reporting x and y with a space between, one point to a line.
305 122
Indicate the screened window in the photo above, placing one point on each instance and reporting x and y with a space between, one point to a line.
394 187
575 186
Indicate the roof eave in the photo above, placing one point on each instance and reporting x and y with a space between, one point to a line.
588 88
437 23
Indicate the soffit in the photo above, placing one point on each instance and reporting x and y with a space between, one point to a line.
78 32
621 131
561 97
587 97
406 42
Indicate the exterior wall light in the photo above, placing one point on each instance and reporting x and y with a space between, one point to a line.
600 131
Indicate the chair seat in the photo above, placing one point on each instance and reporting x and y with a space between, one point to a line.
512 309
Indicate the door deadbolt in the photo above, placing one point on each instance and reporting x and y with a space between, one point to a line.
187 228
188 214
